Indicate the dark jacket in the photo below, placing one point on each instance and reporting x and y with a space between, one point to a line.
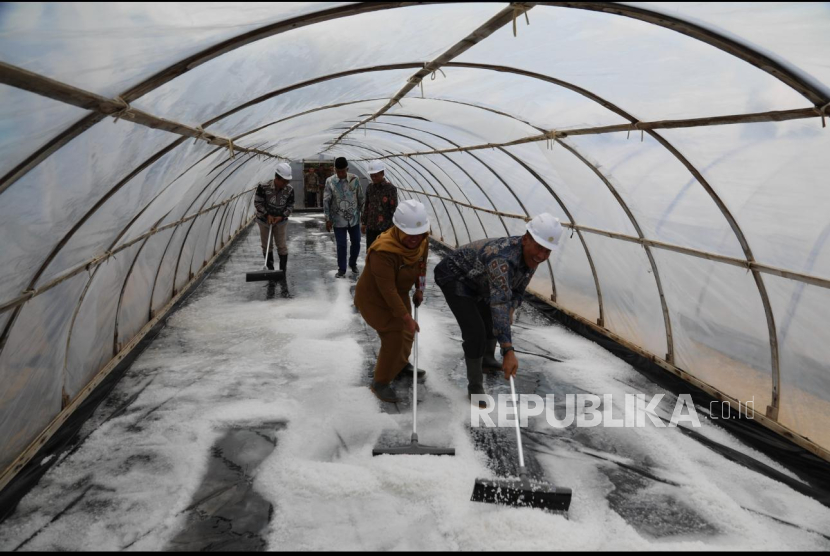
268 201
491 270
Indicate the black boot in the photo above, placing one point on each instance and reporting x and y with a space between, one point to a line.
384 392
475 380
269 263
283 262
406 372
490 363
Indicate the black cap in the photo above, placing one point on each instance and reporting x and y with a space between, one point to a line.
340 162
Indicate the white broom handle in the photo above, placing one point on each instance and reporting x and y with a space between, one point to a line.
518 429
415 380
267 247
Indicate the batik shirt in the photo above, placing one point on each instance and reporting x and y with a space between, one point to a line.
342 201
381 202
311 182
491 270
270 201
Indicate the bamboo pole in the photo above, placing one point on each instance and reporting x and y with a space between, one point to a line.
97 260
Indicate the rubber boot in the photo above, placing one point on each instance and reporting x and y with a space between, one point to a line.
490 363
407 372
475 379
384 392
269 264
283 262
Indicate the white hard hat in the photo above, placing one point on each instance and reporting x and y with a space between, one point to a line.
284 170
411 218
376 166
546 230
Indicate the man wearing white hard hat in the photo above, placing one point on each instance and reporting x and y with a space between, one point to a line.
395 262
484 282
274 201
381 202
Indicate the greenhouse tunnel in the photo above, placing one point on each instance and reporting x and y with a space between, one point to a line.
684 148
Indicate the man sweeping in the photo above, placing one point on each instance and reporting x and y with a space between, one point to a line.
274 201
483 283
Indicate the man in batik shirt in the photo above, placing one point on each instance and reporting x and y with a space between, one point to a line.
381 202
342 202
483 283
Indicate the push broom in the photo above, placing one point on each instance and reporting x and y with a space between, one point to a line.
523 491
265 273
414 448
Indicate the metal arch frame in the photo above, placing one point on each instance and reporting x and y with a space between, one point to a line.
623 205
193 223
116 344
496 174
411 164
480 33
71 232
600 304
183 66
480 223
775 363
483 192
132 265
434 189
677 25
411 180
397 66
443 204
649 254
552 80
169 241
219 231
82 297
817 97
59 141
414 163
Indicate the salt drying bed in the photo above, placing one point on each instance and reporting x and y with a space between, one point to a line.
247 424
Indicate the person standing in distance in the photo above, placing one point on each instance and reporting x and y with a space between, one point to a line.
342 202
381 202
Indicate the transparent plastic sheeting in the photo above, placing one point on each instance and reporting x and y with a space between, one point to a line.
535 101
361 87
27 122
771 177
651 72
794 32
108 48
31 207
418 34
774 177
805 383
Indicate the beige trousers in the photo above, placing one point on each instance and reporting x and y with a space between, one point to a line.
278 235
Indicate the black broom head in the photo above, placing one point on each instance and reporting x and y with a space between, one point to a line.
522 492
263 275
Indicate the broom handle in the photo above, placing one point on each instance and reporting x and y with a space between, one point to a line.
267 247
518 429
415 384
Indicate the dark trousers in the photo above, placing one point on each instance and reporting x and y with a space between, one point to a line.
371 236
340 237
475 321
310 199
